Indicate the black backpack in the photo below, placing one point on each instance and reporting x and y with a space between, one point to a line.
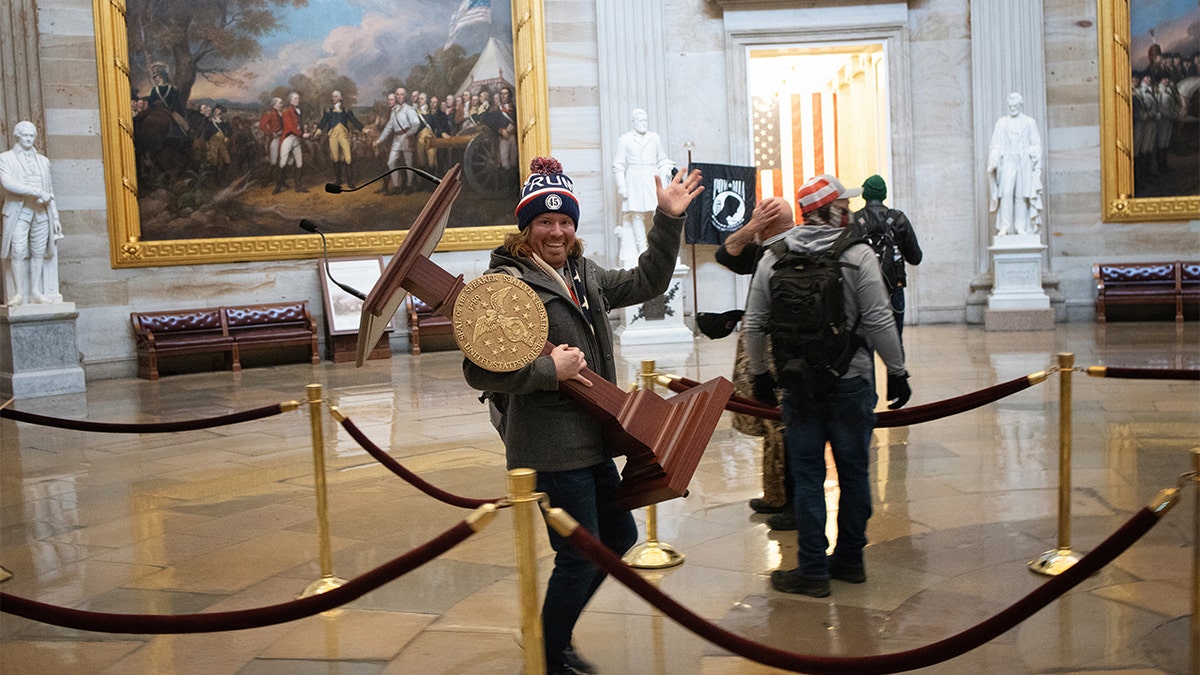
810 341
882 239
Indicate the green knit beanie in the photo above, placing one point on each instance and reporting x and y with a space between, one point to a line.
874 189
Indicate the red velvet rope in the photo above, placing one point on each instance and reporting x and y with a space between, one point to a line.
145 428
886 418
1150 373
912 659
412 478
106 622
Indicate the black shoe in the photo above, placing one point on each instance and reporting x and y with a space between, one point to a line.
760 505
851 574
782 521
577 662
560 669
791 581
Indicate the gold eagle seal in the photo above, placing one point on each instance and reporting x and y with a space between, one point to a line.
500 323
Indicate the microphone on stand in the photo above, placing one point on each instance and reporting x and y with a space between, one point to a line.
334 188
309 226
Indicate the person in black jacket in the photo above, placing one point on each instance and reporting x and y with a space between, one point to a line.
888 231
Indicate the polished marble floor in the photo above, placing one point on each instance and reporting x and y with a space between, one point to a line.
226 519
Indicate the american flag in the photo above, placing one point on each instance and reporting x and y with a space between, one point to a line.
469 12
766 132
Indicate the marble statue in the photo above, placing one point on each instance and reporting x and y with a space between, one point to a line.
639 158
1014 168
31 228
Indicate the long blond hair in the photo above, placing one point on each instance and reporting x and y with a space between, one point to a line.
517 243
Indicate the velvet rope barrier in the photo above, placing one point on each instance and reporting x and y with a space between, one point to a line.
150 427
106 622
1143 373
921 657
396 468
891 418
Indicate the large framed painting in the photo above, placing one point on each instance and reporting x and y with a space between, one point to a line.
225 123
1150 110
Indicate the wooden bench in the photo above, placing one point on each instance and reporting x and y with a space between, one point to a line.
1148 286
228 331
435 330
181 332
279 324
1189 289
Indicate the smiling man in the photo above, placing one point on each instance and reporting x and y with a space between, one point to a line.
544 430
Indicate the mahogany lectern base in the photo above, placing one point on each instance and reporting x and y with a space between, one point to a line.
662 439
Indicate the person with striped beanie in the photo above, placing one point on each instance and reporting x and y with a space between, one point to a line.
541 427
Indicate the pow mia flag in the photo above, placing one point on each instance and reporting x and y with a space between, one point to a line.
725 205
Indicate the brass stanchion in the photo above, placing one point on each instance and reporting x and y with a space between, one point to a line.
521 485
653 554
1196 564
328 581
1058 560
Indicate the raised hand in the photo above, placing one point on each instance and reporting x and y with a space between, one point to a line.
673 199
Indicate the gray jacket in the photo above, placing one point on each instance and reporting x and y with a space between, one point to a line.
542 428
865 298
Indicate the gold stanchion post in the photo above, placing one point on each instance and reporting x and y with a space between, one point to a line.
521 485
653 554
1058 560
1196 564
328 581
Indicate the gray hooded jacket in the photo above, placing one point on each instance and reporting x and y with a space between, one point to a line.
866 303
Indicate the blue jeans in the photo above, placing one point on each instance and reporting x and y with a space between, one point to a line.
898 308
587 494
845 419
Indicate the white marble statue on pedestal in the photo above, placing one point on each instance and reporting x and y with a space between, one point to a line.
639 158
31 228
1014 168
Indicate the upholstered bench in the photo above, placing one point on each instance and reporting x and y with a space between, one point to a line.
1189 289
181 332
1146 285
280 324
222 330
435 330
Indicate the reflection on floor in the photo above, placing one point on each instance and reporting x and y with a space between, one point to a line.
225 519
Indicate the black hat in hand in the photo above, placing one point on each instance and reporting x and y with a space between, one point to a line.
718 325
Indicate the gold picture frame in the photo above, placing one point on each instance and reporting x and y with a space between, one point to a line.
126 244
1116 129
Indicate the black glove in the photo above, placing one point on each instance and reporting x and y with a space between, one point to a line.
898 391
764 389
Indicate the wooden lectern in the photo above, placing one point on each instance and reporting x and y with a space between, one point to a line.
662 439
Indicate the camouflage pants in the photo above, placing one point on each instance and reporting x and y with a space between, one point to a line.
771 431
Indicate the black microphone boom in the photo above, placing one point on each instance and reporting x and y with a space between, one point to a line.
334 188
309 226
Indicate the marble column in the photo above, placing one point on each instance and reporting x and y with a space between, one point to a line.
1007 55
633 74
20 68
39 354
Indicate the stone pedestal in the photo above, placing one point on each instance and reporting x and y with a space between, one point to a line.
39 353
659 321
1017 301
